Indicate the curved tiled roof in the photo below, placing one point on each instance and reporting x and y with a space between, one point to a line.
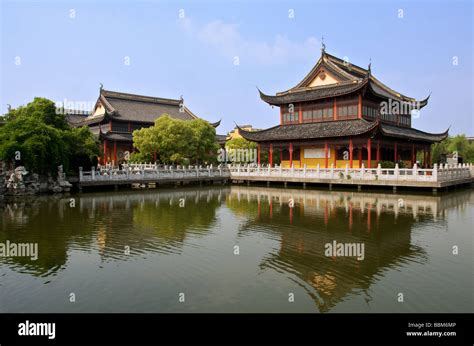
412 134
326 129
117 136
346 73
342 128
139 108
315 93
90 120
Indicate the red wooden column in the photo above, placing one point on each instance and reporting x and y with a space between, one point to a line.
105 152
300 114
258 153
291 154
270 157
378 152
395 153
413 156
351 148
115 152
326 154
369 154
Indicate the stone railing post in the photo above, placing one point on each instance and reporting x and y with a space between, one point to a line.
304 169
362 169
347 169
415 171
397 171
332 171
379 170
93 173
435 172
280 168
292 169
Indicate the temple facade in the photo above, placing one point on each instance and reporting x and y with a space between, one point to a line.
116 115
339 115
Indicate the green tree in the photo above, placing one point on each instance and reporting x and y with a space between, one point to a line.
450 145
39 138
204 138
175 140
41 109
241 143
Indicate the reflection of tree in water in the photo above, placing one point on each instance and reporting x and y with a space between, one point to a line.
168 222
105 222
48 221
305 229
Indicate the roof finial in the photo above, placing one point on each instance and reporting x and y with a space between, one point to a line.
101 86
323 46
369 70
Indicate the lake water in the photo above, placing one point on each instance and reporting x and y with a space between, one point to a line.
239 249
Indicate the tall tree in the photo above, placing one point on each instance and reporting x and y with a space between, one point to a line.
39 138
175 140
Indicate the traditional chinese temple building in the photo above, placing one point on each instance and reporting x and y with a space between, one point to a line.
116 115
341 114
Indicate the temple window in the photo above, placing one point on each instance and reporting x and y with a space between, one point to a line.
119 127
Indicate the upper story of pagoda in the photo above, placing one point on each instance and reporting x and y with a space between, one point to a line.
336 90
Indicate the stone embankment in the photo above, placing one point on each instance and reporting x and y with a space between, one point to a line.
20 182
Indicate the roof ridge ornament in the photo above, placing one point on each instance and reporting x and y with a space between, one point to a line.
101 86
369 68
323 46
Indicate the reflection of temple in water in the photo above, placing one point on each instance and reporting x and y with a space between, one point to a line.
382 222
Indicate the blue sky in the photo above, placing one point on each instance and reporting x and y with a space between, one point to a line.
64 49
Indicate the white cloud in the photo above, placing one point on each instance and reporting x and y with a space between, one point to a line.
226 39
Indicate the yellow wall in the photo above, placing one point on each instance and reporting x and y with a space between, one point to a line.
312 163
235 133
339 163
317 81
99 110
